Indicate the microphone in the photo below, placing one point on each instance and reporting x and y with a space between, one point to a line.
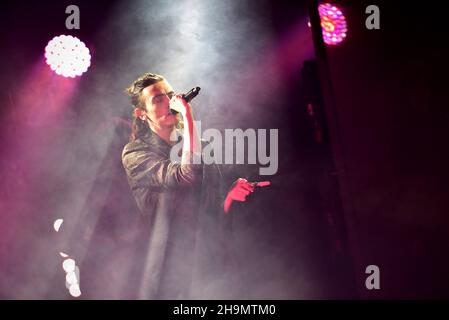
188 97
191 94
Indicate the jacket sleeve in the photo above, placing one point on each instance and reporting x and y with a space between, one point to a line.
148 169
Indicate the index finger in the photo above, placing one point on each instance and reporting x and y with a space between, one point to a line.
262 183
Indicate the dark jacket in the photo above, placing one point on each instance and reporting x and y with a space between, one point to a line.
183 219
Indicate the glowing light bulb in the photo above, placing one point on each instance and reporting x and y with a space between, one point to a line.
57 224
74 290
71 278
67 56
333 24
68 265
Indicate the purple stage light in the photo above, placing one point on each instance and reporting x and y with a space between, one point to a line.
67 56
333 23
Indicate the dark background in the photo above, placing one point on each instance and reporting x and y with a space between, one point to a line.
387 108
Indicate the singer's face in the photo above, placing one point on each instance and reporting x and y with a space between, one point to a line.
156 98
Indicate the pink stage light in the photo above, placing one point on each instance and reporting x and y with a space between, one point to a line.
67 56
333 23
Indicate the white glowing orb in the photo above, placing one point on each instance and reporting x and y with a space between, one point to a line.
57 224
67 56
71 278
74 290
68 265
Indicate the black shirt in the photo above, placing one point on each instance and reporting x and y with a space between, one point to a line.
183 218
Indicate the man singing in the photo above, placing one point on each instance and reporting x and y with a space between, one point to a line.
186 213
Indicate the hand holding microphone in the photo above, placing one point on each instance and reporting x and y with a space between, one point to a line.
180 102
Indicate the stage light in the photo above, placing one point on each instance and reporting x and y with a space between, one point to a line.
333 23
68 265
67 56
74 290
57 224
71 278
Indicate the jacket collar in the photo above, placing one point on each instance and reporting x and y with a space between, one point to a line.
153 139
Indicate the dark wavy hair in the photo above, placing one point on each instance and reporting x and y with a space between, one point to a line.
140 127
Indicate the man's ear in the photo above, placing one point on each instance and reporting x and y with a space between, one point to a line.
139 113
